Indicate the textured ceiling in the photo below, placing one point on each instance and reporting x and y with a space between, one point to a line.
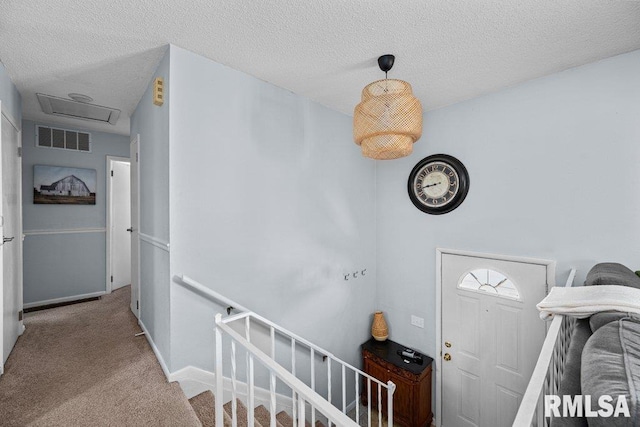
325 50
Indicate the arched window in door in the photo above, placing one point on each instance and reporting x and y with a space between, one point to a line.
489 281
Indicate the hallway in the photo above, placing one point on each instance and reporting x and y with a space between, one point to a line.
81 365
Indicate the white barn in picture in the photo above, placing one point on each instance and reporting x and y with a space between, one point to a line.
68 186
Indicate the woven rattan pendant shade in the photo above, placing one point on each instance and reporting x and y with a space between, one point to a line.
388 120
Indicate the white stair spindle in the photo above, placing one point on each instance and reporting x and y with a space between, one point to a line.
344 390
313 383
379 406
301 419
272 399
273 343
329 383
369 402
357 398
219 389
251 405
391 388
247 334
234 387
293 372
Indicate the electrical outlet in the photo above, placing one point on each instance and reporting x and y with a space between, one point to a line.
417 321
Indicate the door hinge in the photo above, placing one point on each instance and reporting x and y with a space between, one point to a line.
111 279
19 151
20 314
136 157
137 305
111 173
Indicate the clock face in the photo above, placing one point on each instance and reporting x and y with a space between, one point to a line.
438 184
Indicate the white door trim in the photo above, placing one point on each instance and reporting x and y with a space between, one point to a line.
19 240
110 161
136 140
551 278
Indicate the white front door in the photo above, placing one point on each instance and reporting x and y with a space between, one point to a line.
120 218
135 241
10 251
491 336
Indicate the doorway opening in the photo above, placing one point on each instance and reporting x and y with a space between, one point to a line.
118 223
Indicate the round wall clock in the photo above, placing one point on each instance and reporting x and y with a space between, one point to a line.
438 184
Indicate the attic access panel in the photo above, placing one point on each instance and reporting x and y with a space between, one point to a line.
77 110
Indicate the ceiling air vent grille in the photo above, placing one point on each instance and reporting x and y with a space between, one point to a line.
48 137
77 110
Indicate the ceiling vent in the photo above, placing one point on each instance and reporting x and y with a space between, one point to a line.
77 110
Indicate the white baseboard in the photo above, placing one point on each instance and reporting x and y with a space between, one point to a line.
163 365
195 380
63 299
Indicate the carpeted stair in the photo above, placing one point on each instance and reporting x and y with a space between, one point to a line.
204 406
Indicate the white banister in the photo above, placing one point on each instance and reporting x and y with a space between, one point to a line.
304 392
549 368
211 294
304 395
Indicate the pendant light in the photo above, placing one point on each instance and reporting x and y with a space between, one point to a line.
388 120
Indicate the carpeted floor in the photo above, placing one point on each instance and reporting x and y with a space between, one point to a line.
80 365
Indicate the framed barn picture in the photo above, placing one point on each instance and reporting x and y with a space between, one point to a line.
63 186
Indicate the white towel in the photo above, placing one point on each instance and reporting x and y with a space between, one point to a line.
583 301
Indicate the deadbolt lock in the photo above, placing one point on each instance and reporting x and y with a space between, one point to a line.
447 357
447 344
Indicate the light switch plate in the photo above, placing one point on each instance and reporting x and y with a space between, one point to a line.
417 321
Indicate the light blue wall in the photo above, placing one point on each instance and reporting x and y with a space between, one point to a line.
65 265
271 203
151 122
10 97
554 174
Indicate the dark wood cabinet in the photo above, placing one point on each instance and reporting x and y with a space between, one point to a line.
412 398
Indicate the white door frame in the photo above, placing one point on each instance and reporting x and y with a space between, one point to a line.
18 241
551 279
110 161
136 140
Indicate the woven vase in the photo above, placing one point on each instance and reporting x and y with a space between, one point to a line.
379 328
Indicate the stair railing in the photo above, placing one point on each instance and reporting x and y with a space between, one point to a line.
303 395
546 376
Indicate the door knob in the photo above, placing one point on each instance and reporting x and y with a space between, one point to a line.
130 230
7 239
447 357
447 344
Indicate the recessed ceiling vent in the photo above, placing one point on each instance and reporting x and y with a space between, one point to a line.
77 110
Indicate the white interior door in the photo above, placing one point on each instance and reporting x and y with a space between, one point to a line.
135 224
120 236
491 336
12 237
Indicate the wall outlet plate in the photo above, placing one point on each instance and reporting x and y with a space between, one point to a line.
417 321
